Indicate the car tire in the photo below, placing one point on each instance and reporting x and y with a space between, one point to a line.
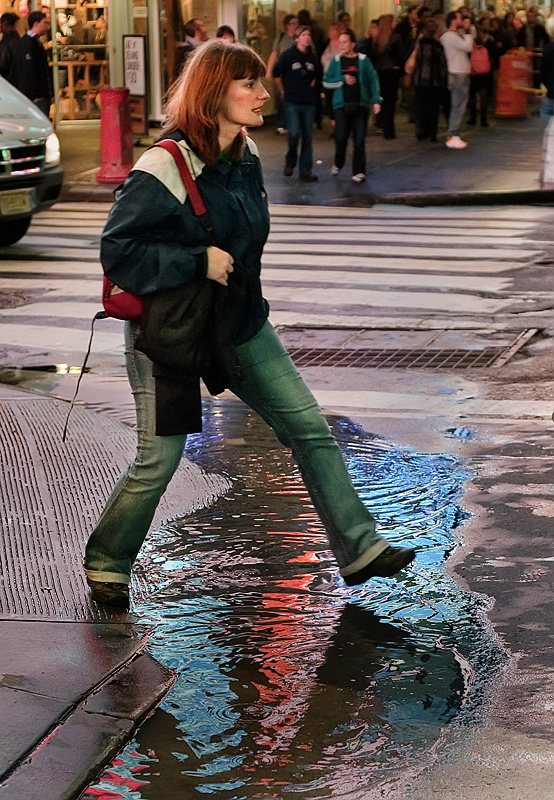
12 232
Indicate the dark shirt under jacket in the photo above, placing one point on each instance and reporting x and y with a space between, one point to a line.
297 71
29 71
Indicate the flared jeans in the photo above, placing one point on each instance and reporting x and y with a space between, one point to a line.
273 387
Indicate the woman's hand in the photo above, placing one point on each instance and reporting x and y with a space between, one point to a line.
220 265
376 108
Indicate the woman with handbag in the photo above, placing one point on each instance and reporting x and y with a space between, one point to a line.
153 243
355 87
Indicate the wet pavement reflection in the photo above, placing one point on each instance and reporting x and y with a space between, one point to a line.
290 683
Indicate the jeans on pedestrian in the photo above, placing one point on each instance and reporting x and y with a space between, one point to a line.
458 86
345 124
272 386
299 121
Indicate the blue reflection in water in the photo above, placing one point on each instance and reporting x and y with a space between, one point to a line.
290 683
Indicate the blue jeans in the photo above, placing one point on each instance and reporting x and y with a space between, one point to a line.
299 120
357 125
458 86
273 387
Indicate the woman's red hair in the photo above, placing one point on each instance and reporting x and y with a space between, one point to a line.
197 95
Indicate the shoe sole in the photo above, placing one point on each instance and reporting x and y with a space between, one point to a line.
368 572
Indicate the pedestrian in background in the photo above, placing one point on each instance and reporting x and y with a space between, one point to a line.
196 33
332 49
353 80
29 69
458 44
282 42
388 56
533 37
153 242
226 33
483 61
295 75
9 37
430 81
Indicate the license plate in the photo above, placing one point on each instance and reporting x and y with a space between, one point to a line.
15 202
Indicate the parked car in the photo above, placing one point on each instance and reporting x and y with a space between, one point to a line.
31 174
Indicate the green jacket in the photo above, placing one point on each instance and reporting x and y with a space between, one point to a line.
369 82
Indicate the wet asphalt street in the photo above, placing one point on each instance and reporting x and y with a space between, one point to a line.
438 686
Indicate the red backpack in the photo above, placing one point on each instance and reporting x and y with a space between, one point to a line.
479 60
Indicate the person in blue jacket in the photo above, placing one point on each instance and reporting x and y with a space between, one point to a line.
153 242
355 86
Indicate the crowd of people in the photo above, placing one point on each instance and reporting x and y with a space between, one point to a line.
425 60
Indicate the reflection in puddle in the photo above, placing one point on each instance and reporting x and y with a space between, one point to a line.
290 683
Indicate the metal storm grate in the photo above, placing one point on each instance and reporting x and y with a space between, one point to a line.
332 347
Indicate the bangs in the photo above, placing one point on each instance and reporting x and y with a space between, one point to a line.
244 63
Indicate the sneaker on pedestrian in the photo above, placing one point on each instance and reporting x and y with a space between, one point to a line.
309 178
288 171
335 170
281 131
359 178
455 143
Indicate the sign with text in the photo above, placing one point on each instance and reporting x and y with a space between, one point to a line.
134 64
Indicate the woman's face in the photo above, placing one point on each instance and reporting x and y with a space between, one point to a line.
242 105
346 45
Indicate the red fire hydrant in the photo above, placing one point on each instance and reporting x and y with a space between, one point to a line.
116 140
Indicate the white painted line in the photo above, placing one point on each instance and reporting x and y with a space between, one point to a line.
295 260
408 252
331 279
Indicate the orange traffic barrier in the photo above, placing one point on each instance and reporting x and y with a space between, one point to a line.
515 81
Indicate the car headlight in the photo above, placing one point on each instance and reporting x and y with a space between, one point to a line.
52 149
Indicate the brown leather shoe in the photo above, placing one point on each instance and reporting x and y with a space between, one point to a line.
391 561
109 594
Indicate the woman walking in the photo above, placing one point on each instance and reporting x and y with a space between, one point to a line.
355 87
152 242
388 56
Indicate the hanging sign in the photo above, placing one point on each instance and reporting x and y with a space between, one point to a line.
134 67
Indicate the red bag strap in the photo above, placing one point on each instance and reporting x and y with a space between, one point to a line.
190 184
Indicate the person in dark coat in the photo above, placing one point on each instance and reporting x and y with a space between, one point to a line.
29 69
388 56
154 242
430 81
533 36
9 37
296 76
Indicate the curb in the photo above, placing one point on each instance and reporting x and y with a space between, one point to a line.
86 193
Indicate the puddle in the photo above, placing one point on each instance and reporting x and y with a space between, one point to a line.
292 685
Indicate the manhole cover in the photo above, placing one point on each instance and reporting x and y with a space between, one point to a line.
407 349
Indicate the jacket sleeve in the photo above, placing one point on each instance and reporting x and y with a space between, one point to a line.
152 241
373 81
333 78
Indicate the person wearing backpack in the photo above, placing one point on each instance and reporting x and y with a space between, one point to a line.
483 60
458 44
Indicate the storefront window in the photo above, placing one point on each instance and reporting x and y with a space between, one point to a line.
79 57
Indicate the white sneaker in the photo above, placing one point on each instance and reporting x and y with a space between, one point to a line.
359 178
334 170
455 143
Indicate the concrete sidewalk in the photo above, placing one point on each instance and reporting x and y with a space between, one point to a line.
501 164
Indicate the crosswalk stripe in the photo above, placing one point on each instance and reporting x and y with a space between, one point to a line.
373 267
